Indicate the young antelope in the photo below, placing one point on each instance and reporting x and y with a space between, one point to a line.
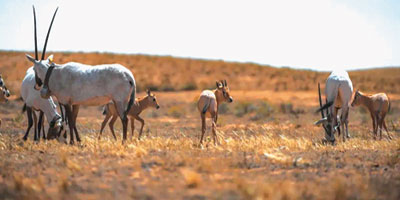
140 104
208 106
378 106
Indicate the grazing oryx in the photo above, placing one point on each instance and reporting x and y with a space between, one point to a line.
5 93
338 92
76 84
33 102
208 106
140 104
378 106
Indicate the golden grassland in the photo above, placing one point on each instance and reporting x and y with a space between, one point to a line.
268 150
166 73
269 147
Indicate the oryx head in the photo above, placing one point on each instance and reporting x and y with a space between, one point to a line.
1 81
223 91
326 119
56 128
41 66
4 94
151 100
357 99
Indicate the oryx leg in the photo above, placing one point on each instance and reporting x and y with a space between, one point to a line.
30 122
111 125
35 125
119 105
132 126
384 125
75 111
104 123
333 123
40 125
373 124
141 128
345 122
214 130
68 111
203 127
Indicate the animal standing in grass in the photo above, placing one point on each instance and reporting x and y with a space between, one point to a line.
378 106
33 103
76 84
338 93
208 106
4 93
148 101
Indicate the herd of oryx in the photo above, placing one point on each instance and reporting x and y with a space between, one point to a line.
113 85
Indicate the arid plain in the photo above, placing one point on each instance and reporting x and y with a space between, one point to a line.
269 148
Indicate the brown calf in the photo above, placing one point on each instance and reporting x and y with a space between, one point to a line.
140 104
208 106
378 106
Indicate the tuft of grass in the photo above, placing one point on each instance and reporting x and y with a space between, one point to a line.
192 179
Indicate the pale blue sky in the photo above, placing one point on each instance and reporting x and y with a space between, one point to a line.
316 34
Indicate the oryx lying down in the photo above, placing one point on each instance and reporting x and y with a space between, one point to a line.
33 103
77 84
338 92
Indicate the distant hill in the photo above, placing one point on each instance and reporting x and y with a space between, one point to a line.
165 73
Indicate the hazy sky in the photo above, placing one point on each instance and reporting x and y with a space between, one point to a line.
316 34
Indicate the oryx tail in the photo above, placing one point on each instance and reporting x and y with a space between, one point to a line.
206 106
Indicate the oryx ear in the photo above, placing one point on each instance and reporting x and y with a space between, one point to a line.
30 58
50 58
323 120
148 92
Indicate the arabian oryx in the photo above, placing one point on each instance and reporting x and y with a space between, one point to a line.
378 106
338 93
149 100
33 102
5 93
76 84
208 106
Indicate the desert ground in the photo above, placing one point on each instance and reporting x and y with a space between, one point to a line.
269 148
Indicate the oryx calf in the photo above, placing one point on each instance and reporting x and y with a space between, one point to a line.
378 106
76 84
208 106
148 101
33 103
338 92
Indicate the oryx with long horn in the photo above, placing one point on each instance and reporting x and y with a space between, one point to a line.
338 93
33 102
76 84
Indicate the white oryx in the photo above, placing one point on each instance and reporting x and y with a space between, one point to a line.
33 103
338 93
76 84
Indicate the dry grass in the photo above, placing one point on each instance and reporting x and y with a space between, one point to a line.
279 156
269 148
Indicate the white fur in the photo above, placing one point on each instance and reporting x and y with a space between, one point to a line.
78 84
32 97
339 90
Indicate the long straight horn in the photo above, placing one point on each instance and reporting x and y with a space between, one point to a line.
320 101
225 83
34 22
48 33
